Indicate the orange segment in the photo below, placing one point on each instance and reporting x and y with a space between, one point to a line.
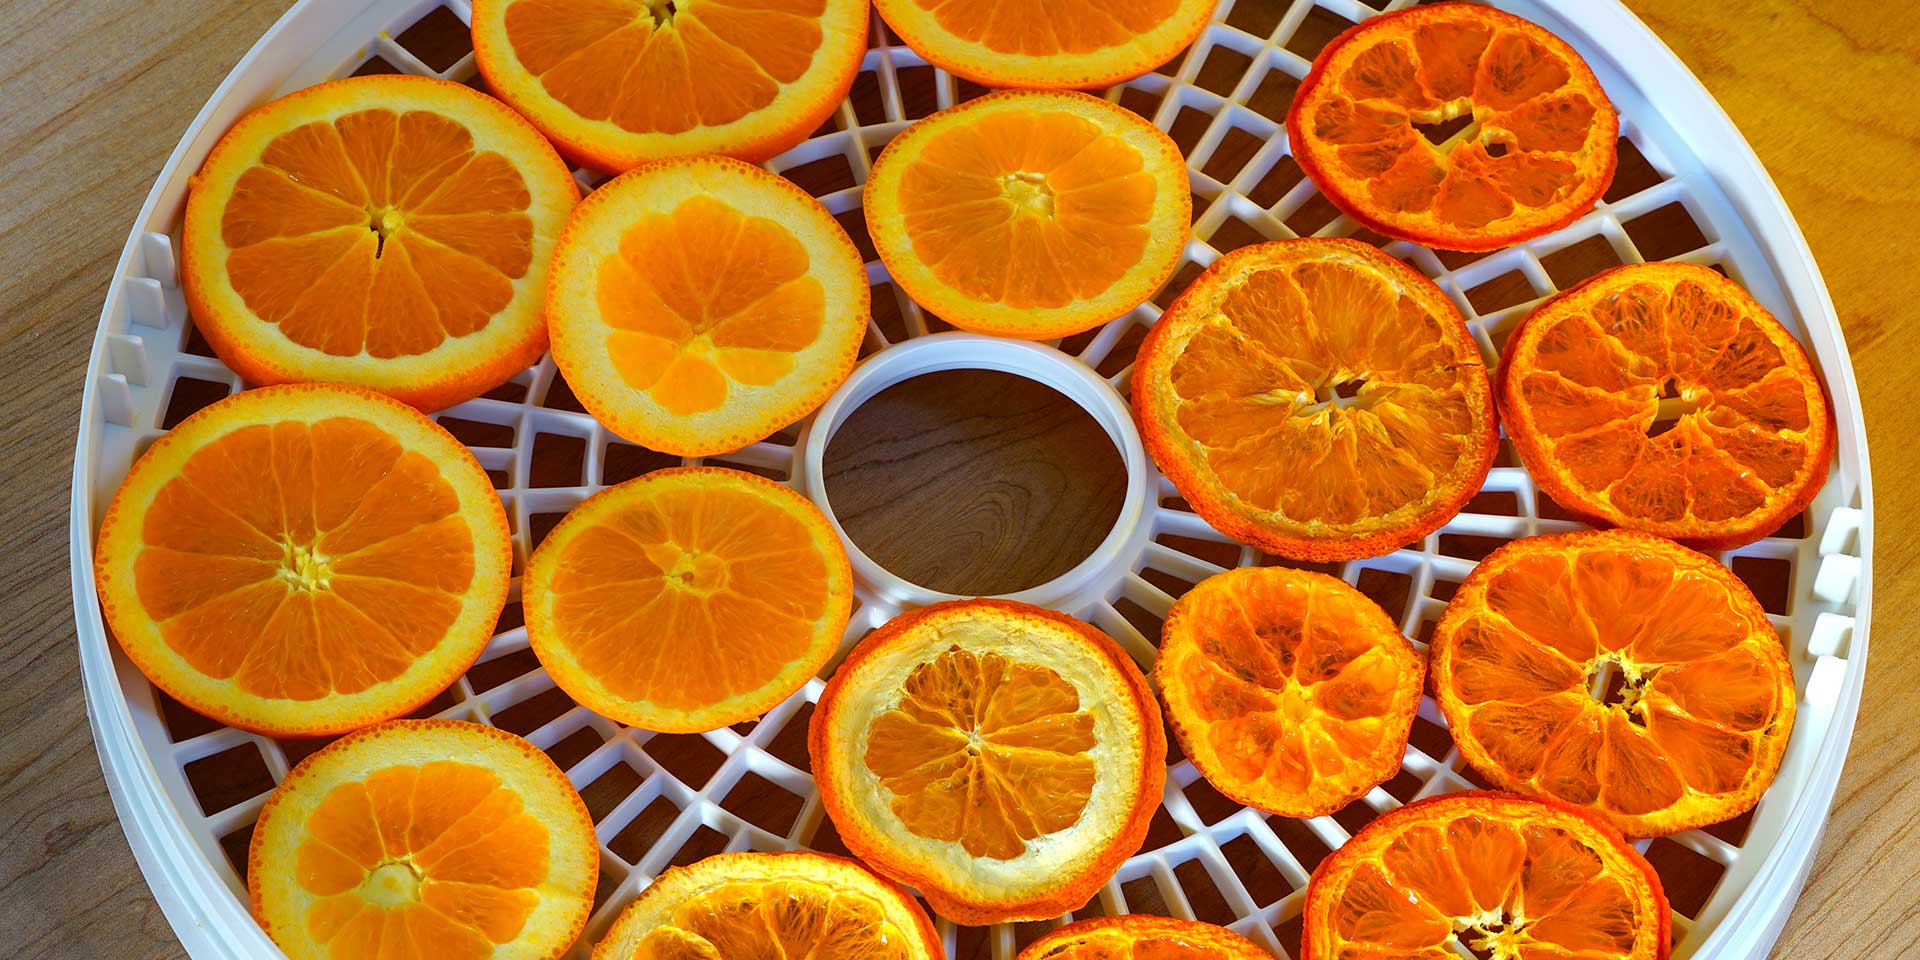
304 560
1001 759
1142 938
1316 399
700 305
1049 44
1619 672
1503 876
376 848
386 231
1537 153
1031 214
619 82
1289 690
1662 397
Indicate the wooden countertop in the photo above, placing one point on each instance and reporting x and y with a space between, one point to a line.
96 92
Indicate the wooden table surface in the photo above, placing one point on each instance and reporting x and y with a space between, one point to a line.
95 92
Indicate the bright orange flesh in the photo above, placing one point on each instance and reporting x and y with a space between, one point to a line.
1539 151
1317 399
1618 672
1662 397
1289 690
1077 44
1141 937
1508 877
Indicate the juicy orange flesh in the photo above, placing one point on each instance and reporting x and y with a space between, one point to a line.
690 597
1698 697
1260 391
435 861
303 560
1027 208
1522 96
658 67
986 750
1731 439
380 233
774 920
704 297
1121 946
1041 28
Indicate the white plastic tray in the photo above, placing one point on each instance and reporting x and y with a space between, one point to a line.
187 790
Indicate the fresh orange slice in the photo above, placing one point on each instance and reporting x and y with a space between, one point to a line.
424 840
619 82
1002 759
1317 399
768 906
1537 152
1664 398
1289 690
1503 876
687 599
1048 44
304 560
1032 214
1142 938
701 304
1619 672
387 231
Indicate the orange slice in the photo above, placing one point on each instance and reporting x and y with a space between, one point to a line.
701 304
1506 877
619 82
1537 151
1615 671
1002 759
1032 214
766 906
1664 398
1078 44
424 840
687 599
1317 399
386 231
1142 938
304 560
1289 690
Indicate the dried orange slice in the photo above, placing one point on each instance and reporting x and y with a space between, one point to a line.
1503 876
1538 151
1619 672
1289 690
1032 214
1317 399
1077 44
1000 758
1664 398
687 599
304 560
424 840
387 231
1142 938
701 304
619 82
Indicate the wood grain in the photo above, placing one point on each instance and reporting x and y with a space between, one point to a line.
96 92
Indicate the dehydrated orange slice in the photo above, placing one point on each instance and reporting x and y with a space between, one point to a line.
304 560
619 82
1664 398
766 906
1142 938
1506 877
386 231
1317 399
1289 690
424 840
1077 44
687 599
1032 214
1619 672
1000 758
1537 152
698 305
